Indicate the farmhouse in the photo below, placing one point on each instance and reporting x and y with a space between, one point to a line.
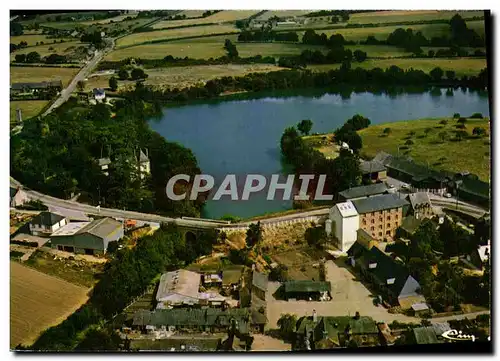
45 223
90 238
191 320
99 94
421 206
373 171
329 332
181 288
307 290
259 285
364 191
32 88
391 278
144 164
17 197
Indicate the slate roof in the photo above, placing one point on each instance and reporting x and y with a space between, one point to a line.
39 85
419 198
364 191
417 171
47 219
98 91
410 224
474 187
346 209
367 167
192 317
101 227
307 286
181 282
260 280
378 203
425 335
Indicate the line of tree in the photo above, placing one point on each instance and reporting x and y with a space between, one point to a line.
232 52
21 45
343 14
16 28
310 37
341 80
127 276
348 132
264 36
58 155
334 56
34 57
93 38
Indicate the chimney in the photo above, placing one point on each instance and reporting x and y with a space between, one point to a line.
315 316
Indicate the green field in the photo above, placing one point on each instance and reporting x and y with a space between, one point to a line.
408 15
220 17
209 47
29 108
49 48
23 74
462 66
283 13
31 39
471 155
139 38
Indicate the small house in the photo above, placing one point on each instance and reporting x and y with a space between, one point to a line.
259 285
45 223
421 206
17 197
373 171
307 290
231 278
99 94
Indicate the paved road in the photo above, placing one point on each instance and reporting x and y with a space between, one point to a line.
453 204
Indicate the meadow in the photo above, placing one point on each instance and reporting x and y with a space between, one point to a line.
49 48
31 39
461 66
220 17
139 38
406 15
39 301
29 108
24 74
283 13
471 154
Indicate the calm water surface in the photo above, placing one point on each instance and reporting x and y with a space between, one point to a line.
242 137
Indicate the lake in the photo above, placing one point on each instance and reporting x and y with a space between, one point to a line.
242 136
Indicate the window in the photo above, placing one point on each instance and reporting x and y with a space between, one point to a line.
388 218
373 221
388 225
372 228
380 234
364 221
390 281
396 216
380 227
380 219
388 233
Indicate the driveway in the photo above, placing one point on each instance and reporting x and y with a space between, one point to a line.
348 296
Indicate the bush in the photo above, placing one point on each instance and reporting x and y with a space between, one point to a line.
456 115
23 243
476 116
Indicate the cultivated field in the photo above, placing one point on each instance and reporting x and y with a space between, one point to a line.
29 108
462 66
116 19
405 15
471 155
23 74
31 39
39 301
50 47
192 13
140 38
220 17
175 77
283 13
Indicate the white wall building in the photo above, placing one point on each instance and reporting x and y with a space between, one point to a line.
345 221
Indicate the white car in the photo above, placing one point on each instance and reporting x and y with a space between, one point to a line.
405 186
448 195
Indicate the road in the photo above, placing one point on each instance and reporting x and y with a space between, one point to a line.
82 75
454 204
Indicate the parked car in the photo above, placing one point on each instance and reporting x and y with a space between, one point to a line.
448 195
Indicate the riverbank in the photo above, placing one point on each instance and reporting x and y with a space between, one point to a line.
427 141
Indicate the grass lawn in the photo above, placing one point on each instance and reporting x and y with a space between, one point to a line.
325 143
186 76
408 15
139 38
29 108
462 66
49 48
471 154
31 39
380 51
23 74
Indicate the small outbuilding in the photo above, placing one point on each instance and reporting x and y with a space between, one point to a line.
307 290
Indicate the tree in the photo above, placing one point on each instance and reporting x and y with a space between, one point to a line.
436 74
287 323
411 133
456 115
20 58
387 131
359 55
478 131
231 50
315 235
450 75
462 120
443 122
305 126
80 85
254 234
33 57
409 142
461 134
123 73
16 28
279 273
112 247
113 83
137 74
427 131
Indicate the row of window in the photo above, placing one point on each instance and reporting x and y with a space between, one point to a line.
387 233
381 219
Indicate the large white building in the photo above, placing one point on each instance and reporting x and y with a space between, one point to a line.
345 225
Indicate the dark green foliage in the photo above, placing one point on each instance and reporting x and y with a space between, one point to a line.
315 236
112 247
56 59
305 126
113 83
279 273
123 74
456 115
94 38
436 74
476 116
20 58
267 35
16 28
287 323
33 57
35 205
359 55
138 74
99 340
254 234
231 50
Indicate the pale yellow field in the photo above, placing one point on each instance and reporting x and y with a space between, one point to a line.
283 13
220 17
405 15
23 74
39 301
49 48
29 108
192 13
139 38
175 77
116 19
